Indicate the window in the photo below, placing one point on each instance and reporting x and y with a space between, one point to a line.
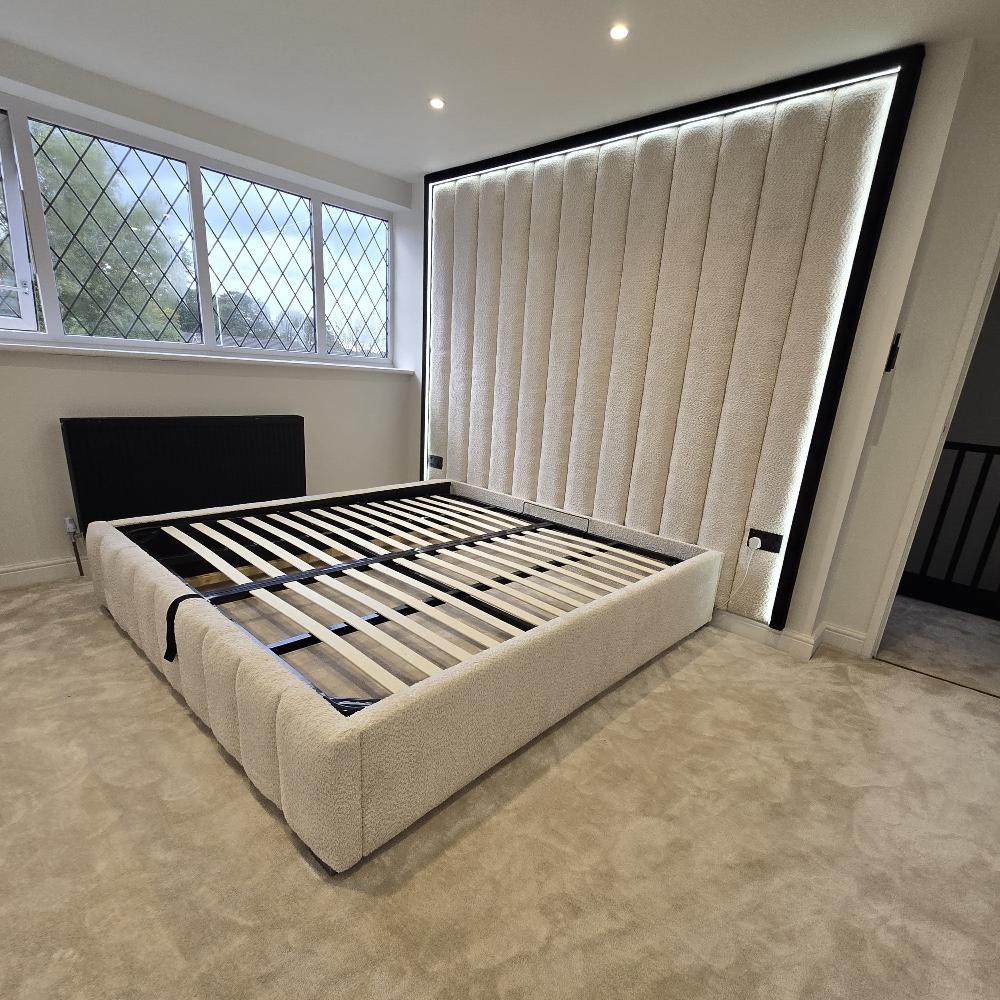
356 269
135 243
119 228
260 256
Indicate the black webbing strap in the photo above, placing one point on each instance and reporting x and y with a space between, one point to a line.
170 653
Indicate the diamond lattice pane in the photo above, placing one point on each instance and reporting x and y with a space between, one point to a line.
356 273
260 257
119 225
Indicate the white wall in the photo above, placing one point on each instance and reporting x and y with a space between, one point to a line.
362 429
944 303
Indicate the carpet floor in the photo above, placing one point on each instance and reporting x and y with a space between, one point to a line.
726 823
952 645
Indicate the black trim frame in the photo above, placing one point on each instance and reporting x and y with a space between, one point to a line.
909 61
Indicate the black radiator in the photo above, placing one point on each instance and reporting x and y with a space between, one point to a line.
134 466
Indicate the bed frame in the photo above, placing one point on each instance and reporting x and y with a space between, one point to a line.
366 655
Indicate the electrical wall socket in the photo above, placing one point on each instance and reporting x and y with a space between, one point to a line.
769 541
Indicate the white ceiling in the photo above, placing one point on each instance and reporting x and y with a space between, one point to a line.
352 78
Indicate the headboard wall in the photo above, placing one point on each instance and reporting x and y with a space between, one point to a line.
640 326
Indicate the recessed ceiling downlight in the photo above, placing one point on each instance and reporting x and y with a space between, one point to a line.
437 103
619 32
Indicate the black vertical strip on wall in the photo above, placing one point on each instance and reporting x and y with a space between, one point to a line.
908 60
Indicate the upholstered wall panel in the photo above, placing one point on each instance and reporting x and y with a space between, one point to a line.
639 330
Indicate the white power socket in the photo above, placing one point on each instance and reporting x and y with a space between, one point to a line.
70 525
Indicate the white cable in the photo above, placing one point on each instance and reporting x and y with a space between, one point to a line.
753 545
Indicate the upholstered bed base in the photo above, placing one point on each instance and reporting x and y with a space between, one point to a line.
347 784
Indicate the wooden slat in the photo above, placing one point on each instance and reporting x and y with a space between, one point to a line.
365 664
456 602
528 581
371 579
311 550
449 521
584 562
488 598
404 652
372 603
588 558
492 584
460 514
545 559
592 543
413 541
391 538
468 507
414 536
364 543
413 524
452 520
605 561
458 626
323 539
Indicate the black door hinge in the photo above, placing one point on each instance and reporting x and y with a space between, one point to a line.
890 362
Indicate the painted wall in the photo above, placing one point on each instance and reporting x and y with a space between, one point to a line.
362 429
943 306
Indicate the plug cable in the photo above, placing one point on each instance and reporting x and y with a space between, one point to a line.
753 544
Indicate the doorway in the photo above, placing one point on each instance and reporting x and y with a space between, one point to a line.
945 618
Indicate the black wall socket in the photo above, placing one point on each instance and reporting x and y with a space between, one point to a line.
769 541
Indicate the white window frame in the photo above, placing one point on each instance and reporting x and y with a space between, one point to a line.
19 110
18 234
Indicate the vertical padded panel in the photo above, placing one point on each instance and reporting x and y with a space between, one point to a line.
692 188
319 759
853 136
260 682
97 532
156 589
661 333
510 324
539 299
221 654
120 564
615 167
463 320
654 163
442 266
194 622
484 345
785 206
575 224
745 139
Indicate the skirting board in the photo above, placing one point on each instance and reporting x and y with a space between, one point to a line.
800 645
796 644
40 571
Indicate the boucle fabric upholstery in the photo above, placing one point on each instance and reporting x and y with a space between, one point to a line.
348 784
639 331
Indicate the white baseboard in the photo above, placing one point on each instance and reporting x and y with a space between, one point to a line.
796 644
845 639
40 571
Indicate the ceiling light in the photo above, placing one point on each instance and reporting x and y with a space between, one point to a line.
619 32
436 103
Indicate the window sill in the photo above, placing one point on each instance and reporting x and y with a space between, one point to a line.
38 345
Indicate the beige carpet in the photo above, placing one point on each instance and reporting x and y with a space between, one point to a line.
953 645
726 823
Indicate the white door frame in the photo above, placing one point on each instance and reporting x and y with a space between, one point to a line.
982 294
